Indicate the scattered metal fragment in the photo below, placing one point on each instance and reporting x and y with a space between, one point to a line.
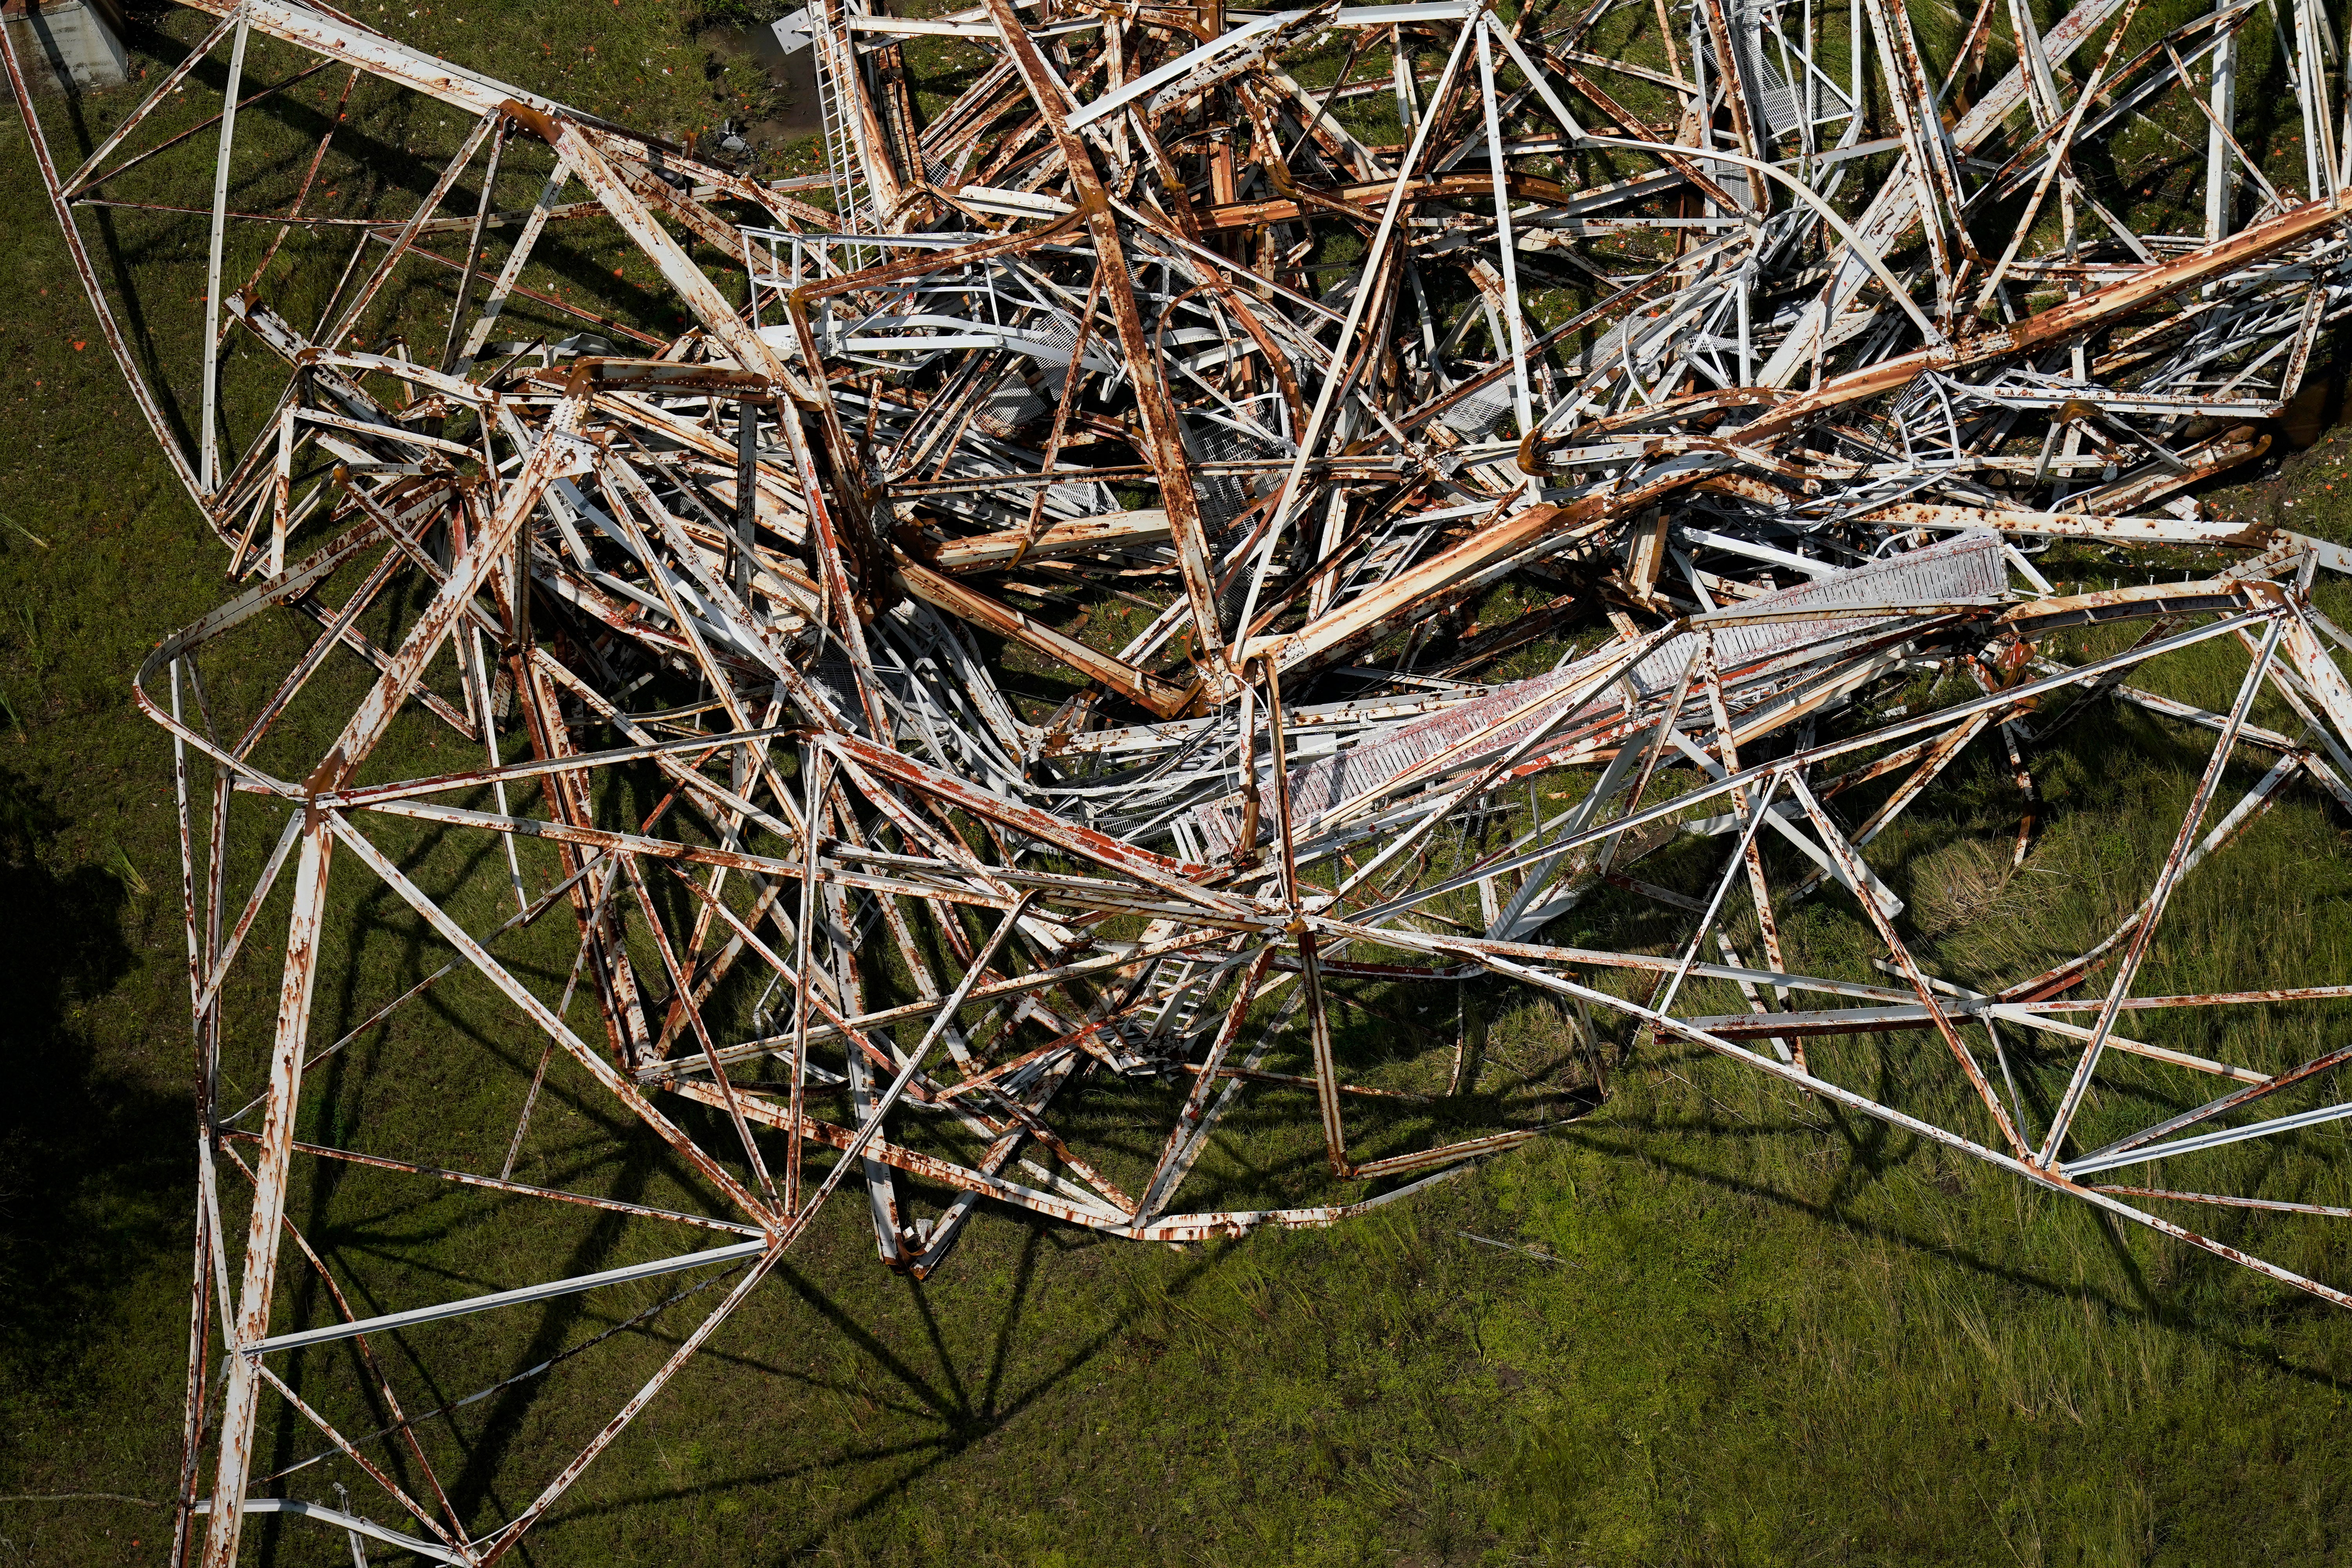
1641 311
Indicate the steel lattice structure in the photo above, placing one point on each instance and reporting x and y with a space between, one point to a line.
1800 446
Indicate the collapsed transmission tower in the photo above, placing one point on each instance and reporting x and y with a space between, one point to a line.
1643 317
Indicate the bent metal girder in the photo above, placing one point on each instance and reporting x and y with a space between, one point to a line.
1140 313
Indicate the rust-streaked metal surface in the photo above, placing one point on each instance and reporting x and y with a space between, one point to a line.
1072 601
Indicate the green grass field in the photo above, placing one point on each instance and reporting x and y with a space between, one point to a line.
1736 1327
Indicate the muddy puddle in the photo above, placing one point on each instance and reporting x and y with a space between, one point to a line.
2316 409
793 75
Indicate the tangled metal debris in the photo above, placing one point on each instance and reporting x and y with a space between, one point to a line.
1649 315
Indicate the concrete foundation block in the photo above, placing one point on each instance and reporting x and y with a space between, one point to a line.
67 45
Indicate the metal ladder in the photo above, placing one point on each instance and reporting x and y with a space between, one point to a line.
844 167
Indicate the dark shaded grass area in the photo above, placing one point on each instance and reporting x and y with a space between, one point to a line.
1747 1328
